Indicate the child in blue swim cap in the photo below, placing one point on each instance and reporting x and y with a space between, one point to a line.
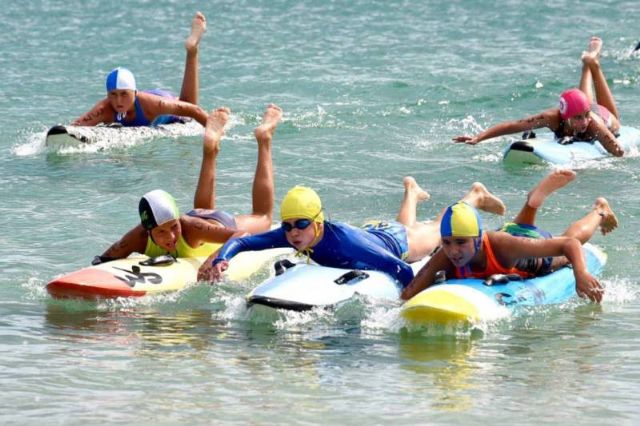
519 247
120 79
126 105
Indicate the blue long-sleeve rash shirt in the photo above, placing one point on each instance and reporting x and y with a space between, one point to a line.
342 246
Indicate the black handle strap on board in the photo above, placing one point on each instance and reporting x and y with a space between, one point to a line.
497 279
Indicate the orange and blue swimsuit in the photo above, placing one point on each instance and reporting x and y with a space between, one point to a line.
526 268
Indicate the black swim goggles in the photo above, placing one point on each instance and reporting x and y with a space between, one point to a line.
298 224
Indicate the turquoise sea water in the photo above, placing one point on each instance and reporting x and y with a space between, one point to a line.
372 91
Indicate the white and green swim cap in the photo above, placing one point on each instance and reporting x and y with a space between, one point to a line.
157 207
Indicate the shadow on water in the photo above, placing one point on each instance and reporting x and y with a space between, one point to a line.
444 362
150 329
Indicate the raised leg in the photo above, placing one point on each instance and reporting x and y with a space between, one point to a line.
480 198
551 183
205 196
413 194
586 78
600 217
591 60
191 78
424 237
263 191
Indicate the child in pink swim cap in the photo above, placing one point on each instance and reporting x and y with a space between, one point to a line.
577 114
573 102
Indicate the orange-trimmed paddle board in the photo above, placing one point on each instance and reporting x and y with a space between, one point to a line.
132 277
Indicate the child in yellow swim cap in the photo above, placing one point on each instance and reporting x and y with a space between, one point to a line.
383 246
468 252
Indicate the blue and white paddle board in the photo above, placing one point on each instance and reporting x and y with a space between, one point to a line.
471 301
546 149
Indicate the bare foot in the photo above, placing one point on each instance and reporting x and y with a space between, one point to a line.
198 27
214 130
552 182
592 54
270 119
609 221
411 188
480 198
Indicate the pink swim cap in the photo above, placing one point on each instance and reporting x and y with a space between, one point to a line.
573 102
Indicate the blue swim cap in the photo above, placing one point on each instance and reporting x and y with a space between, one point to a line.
461 220
120 78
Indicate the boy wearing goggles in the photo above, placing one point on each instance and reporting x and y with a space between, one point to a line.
381 246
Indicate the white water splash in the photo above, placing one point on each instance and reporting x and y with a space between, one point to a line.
105 138
33 145
468 124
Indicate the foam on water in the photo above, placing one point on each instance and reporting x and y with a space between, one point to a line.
33 144
105 138
619 291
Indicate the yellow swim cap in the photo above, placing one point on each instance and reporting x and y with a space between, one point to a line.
461 220
301 203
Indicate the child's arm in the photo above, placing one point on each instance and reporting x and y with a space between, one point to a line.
509 249
133 241
544 119
427 275
606 138
100 113
157 105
